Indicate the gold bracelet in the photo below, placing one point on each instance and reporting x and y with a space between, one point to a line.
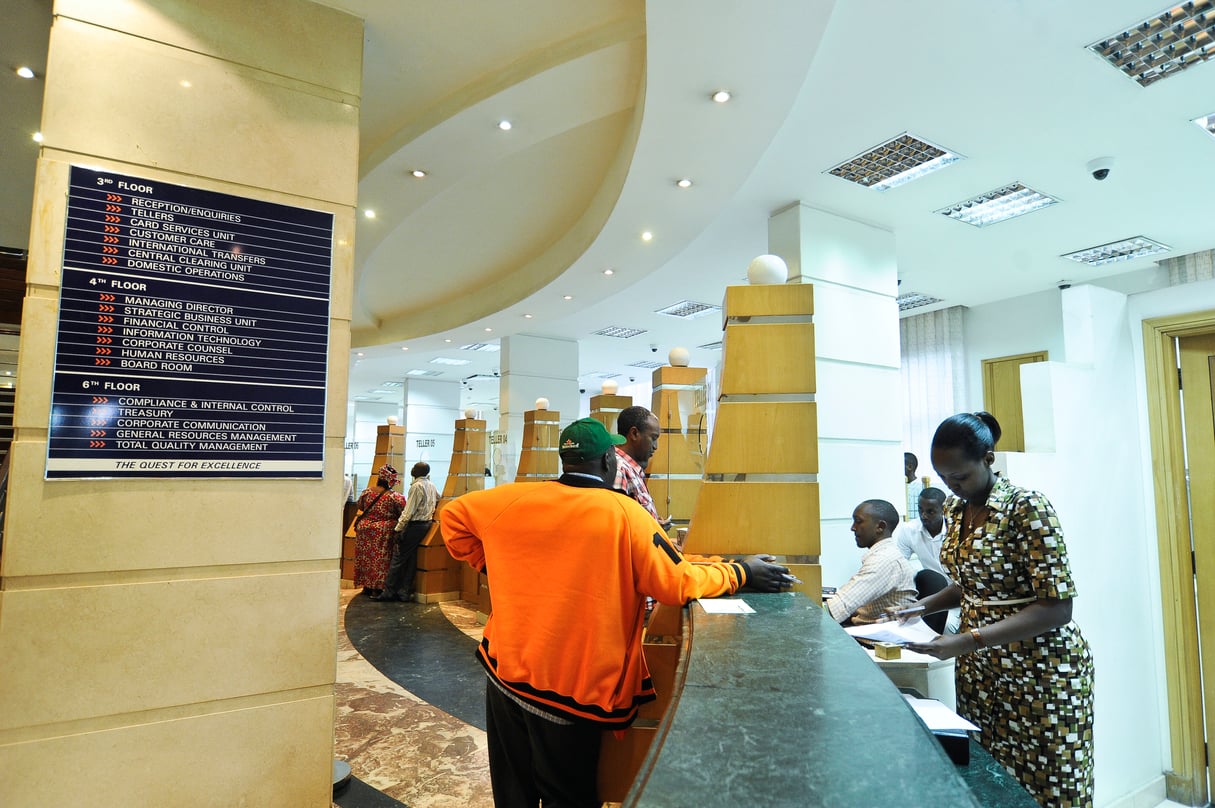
978 638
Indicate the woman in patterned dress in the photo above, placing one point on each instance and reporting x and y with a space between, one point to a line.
381 507
1024 671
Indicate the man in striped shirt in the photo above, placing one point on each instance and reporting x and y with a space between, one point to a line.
411 528
885 581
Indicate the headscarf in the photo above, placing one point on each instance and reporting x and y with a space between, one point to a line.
387 476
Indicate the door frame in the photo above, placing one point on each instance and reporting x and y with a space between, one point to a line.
1187 781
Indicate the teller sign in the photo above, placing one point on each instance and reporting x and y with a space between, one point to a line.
193 334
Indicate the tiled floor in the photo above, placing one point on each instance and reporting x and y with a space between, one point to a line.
402 749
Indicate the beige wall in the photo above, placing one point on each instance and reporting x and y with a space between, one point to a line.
171 642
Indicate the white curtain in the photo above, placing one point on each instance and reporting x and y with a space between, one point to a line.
1199 266
933 375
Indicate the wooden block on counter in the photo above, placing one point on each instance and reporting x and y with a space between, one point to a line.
765 437
767 300
739 518
742 374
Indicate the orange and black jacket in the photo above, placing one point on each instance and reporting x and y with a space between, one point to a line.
570 564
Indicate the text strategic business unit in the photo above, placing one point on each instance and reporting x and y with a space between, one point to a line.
193 334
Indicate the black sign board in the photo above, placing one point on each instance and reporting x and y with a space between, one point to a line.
193 334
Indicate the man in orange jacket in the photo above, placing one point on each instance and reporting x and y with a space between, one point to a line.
570 563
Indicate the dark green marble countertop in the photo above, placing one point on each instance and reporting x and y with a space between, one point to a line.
782 708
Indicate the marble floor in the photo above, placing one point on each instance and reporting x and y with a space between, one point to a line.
411 726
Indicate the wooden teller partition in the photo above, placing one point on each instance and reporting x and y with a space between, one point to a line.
759 492
441 577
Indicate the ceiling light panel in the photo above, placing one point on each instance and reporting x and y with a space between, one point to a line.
711 346
1117 251
648 365
391 384
1164 44
488 347
443 360
895 162
419 372
687 309
618 331
1207 122
998 205
913 300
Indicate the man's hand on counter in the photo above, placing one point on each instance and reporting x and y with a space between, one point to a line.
764 576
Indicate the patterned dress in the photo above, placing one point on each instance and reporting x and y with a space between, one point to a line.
373 536
1033 700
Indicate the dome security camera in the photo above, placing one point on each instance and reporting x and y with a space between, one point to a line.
1100 167
632 379
653 349
581 389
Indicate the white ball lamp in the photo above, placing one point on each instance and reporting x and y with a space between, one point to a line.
767 269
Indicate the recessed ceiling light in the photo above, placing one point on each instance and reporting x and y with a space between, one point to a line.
481 346
419 173
568 297
443 360
420 372
185 83
392 384
899 160
25 72
360 353
504 125
527 317
447 340
998 205
1207 122
1117 251
683 183
1162 45
404 347
721 96
369 213
913 300
609 271
488 329
37 137
647 236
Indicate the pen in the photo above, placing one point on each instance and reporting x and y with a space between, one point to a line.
891 616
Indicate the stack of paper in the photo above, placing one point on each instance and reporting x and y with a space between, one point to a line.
901 633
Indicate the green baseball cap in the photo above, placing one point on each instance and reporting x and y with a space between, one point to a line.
586 439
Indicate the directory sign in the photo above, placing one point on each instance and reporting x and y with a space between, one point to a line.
193 334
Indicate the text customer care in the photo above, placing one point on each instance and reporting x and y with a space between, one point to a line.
570 563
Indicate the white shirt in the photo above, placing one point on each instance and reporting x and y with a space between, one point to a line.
883 582
912 539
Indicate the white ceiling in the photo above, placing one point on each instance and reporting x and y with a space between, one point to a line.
610 105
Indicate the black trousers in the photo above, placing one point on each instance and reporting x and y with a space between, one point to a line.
403 569
534 760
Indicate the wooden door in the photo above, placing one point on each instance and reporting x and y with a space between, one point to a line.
1002 396
1198 408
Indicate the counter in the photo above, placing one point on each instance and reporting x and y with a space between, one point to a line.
782 708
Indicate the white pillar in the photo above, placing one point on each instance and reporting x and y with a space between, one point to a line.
431 410
856 342
532 367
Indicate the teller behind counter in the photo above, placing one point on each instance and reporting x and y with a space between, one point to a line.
813 722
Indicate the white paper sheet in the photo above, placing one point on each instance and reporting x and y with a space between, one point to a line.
915 631
723 606
937 717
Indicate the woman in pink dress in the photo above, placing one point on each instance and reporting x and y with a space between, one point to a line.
380 507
